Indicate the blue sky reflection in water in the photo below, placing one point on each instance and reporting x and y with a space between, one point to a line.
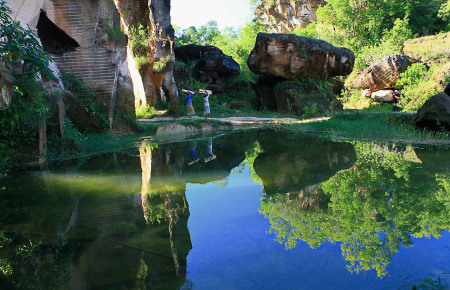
214 223
232 248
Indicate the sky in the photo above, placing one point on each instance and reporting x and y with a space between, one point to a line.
227 13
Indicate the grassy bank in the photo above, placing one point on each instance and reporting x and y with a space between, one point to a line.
376 126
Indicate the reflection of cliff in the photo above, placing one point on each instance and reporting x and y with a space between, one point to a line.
293 164
374 208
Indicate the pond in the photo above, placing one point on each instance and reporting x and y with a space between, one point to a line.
259 209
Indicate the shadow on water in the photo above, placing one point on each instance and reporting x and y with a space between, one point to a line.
121 219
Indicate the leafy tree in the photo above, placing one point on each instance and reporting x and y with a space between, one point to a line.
20 44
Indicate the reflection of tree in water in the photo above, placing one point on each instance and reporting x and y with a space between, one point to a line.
375 207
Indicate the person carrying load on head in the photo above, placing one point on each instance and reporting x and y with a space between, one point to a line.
207 111
189 106
395 107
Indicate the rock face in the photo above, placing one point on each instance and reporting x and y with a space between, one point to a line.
283 16
279 58
383 74
75 33
290 56
213 66
194 52
159 54
6 87
434 114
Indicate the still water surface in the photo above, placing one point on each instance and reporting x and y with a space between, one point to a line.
255 210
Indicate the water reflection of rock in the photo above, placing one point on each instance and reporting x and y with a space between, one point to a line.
294 164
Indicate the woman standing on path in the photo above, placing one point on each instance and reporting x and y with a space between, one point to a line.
207 111
189 106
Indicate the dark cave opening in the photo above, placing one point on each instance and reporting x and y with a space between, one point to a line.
54 40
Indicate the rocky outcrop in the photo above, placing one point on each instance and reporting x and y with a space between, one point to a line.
6 87
283 16
152 17
194 52
290 56
281 58
434 114
383 74
212 65
75 32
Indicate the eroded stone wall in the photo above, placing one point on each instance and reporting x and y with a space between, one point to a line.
283 16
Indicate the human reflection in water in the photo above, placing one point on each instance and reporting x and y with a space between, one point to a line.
193 152
211 155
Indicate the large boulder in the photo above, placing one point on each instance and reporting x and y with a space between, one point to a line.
434 114
6 87
194 52
216 68
291 56
212 65
383 74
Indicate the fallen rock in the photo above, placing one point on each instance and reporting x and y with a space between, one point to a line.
383 95
196 52
383 74
290 56
337 86
216 68
6 87
447 89
434 114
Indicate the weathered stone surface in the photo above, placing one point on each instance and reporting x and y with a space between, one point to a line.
148 79
213 66
447 89
6 87
216 68
291 56
434 114
195 52
284 16
337 86
383 74
75 32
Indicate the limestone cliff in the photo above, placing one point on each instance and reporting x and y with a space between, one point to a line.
75 33
283 16
150 60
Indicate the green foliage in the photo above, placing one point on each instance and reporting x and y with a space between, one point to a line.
20 120
391 43
204 35
311 112
86 96
115 34
17 43
139 42
419 86
146 112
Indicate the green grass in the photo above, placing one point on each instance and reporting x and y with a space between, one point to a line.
374 126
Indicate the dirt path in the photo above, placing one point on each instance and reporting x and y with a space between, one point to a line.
242 121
